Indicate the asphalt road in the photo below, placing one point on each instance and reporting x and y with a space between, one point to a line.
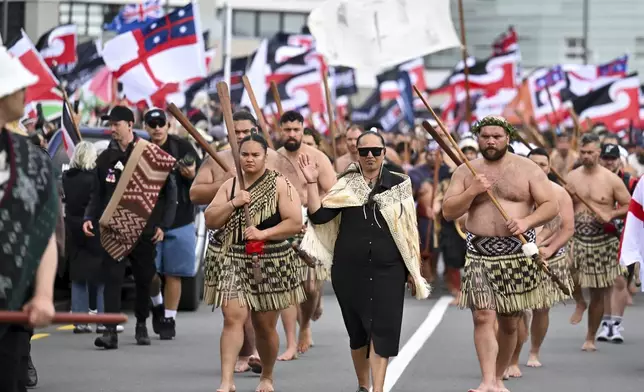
439 358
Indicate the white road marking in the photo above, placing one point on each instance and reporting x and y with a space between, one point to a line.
398 365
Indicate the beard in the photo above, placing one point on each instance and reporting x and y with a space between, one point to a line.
492 154
292 145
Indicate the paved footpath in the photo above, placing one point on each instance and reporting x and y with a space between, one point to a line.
437 355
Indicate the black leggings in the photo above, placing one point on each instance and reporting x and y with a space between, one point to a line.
14 357
143 269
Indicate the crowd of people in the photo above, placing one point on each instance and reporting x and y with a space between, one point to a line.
372 217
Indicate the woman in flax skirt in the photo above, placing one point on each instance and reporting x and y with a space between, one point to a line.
258 271
83 253
366 226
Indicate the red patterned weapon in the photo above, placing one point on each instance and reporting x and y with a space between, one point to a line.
22 318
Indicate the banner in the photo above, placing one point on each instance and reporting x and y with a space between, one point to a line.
376 34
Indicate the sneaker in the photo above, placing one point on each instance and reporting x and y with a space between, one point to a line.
109 340
158 315
617 337
100 328
168 330
605 332
82 328
141 335
32 374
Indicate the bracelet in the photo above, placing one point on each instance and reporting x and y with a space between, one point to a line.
314 182
233 204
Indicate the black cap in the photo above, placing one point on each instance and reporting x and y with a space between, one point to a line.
610 151
119 113
154 114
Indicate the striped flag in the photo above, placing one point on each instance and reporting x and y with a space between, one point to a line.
65 139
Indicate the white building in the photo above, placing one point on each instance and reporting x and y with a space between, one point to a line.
550 31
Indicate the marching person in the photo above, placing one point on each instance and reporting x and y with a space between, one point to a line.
492 245
85 254
292 126
596 241
345 160
124 232
175 255
366 228
618 297
259 271
28 215
552 239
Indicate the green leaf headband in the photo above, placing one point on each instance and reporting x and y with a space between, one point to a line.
494 121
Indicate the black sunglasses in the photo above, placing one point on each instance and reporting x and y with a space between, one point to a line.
156 123
375 151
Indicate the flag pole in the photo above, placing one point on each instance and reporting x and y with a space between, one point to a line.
5 20
466 69
228 28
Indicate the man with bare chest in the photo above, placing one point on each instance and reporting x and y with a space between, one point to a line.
552 239
292 131
500 280
596 240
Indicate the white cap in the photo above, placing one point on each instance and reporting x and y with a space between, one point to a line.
13 75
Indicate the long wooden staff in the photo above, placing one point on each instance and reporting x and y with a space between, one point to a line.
537 257
276 98
561 179
329 110
534 134
176 112
554 115
258 111
71 111
226 108
435 184
466 69
22 318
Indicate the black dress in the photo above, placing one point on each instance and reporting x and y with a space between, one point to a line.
368 274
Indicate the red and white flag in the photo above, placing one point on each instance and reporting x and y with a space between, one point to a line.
165 51
45 89
632 246
58 45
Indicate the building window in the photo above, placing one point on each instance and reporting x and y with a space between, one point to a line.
574 47
243 23
293 23
639 48
269 24
265 24
16 21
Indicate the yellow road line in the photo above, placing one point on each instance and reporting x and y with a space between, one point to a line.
69 327
37 336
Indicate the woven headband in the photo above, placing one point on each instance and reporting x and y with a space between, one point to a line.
494 121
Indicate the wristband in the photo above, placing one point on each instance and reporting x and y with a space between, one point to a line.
233 204
309 182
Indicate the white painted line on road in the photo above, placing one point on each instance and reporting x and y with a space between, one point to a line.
398 365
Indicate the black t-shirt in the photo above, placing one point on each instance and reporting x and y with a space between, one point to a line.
179 148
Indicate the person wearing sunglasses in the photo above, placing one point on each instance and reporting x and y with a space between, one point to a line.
368 220
175 247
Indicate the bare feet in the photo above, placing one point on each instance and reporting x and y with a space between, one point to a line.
226 388
306 341
318 311
589 346
265 385
255 364
288 355
500 387
533 361
579 314
484 388
514 371
241 366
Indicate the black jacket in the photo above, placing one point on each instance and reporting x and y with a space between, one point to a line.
179 148
107 178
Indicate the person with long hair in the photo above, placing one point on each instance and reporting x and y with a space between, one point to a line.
365 231
258 269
